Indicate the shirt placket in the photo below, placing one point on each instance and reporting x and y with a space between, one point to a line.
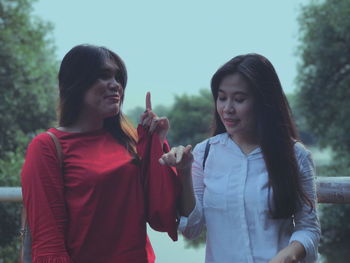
242 212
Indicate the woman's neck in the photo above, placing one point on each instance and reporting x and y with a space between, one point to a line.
84 124
246 142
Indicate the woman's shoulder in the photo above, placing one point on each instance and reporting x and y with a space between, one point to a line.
200 147
42 137
42 142
300 150
303 156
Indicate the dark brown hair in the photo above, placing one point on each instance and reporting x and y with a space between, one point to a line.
276 130
79 70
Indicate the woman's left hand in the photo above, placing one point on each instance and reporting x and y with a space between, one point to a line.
282 258
180 157
290 254
152 122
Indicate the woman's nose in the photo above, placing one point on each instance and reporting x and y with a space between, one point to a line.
229 107
114 85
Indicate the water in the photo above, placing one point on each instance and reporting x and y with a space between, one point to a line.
168 251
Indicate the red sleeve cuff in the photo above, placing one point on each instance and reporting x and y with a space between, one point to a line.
53 259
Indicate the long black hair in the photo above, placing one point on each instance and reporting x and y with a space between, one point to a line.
276 130
79 70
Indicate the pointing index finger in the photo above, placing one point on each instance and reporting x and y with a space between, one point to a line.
148 101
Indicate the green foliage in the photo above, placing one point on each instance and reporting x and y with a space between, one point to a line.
324 95
198 242
27 73
335 241
190 118
9 253
162 110
27 101
324 71
9 231
305 133
135 113
10 168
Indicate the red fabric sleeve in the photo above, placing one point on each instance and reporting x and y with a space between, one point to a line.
161 184
43 197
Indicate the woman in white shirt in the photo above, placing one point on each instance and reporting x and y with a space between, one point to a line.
252 185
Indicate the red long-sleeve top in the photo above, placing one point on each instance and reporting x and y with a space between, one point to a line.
96 209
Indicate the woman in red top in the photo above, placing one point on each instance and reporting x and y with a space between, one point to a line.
94 209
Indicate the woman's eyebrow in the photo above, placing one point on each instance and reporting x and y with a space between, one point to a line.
235 93
109 68
241 93
220 90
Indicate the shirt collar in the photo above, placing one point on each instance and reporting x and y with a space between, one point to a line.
225 140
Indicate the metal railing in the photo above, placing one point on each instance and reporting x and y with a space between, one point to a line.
334 190
10 194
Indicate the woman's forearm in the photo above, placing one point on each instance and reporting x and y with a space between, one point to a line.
297 249
294 252
181 157
188 200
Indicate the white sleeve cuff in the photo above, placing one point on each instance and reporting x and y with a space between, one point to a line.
304 238
193 219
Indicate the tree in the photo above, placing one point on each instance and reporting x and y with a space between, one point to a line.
306 135
324 95
324 71
27 74
28 94
190 118
135 113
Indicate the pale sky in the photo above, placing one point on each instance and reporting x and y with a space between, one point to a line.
174 47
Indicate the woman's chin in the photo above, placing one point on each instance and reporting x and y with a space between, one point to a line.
113 112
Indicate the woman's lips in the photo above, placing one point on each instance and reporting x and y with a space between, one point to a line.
113 98
231 122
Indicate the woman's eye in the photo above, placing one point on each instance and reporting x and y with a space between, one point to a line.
221 98
105 76
118 77
239 100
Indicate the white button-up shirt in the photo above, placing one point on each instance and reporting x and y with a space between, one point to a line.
231 202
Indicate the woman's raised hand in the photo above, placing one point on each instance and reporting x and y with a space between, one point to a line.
150 120
180 157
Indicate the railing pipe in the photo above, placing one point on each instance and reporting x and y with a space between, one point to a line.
10 194
332 190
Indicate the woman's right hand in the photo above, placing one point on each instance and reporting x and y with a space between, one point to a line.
152 122
180 157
